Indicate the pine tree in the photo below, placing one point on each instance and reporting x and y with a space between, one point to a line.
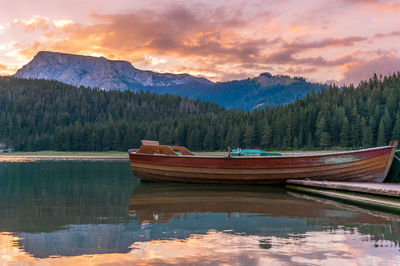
381 140
356 132
209 140
164 135
266 137
320 136
388 125
235 137
396 128
345 134
295 143
367 135
324 141
249 137
221 143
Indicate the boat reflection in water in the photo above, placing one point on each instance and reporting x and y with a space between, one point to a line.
251 210
95 213
268 224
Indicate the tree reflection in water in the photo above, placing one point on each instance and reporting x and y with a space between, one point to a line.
61 212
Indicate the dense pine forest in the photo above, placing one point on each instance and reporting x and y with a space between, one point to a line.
48 115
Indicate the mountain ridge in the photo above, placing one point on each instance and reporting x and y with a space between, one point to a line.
99 72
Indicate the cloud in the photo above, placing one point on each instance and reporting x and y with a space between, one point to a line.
180 36
35 22
298 27
215 40
296 70
8 46
327 42
3 67
61 23
362 2
287 56
6 69
389 8
385 64
390 34
177 33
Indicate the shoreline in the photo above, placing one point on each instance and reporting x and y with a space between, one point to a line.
34 158
100 156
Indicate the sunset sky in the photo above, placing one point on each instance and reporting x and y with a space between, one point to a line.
341 41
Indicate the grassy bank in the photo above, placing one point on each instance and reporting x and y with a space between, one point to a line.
108 155
68 153
125 154
62 156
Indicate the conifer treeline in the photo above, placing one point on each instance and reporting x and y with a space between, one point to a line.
40 115
49 115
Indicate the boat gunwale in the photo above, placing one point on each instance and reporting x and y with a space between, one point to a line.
263 157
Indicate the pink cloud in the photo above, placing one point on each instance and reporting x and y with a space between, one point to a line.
385 64
317 39
389 8
327 42
390 34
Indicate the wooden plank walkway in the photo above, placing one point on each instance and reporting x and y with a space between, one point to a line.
384 189
372 195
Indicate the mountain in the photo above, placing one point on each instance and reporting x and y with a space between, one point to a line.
99 72
248 94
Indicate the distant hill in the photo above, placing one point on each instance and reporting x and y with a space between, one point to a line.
99 72
248 94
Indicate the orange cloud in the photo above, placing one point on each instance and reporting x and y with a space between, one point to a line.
6 69
218 42
389 8
36 22
206 44
177 34
3 67
298 27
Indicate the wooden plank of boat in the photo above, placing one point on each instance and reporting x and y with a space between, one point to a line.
153 162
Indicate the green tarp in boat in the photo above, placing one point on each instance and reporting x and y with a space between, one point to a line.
248 152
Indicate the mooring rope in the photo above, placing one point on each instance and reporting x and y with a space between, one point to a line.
395 156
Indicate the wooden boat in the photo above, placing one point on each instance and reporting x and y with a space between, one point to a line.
155 162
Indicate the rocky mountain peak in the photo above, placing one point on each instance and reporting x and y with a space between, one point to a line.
98 72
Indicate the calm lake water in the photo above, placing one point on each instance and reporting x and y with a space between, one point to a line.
86 213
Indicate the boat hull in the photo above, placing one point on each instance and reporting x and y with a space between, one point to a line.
370 165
